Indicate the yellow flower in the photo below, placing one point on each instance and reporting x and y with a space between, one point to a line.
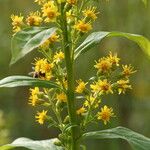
103 65
113 59
90 13
50 11
54 38
127 70
81 110
33 99
82 26
62 97
34 19
91 101
105 114
102 86
17 22
123 85
72 2
41 117
59 56
81 86
105 86
42 66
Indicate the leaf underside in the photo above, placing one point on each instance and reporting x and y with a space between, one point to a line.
136 140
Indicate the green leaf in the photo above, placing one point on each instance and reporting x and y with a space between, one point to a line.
96 37
33 145
15 81
136 140
27 40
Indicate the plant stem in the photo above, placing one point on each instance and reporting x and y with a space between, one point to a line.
70 81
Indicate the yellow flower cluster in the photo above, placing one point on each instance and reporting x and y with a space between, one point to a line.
105 64
48 70
111 78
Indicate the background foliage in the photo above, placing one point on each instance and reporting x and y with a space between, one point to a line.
132 110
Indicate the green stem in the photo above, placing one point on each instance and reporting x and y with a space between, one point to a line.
70 81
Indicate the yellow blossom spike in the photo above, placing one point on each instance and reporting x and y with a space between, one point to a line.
81 110
34 19
105 114
61 97
41 117
123 85
127 70
90 13
81 86
82 26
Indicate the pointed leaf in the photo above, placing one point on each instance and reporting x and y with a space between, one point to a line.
32 145
27 40
96 37
136 140
15 81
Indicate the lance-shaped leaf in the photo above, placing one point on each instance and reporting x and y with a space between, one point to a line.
27 40
15 81
96 37
136 140
32 145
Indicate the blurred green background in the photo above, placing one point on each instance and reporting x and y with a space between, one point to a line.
132 110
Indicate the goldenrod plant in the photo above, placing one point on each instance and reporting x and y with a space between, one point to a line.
58 30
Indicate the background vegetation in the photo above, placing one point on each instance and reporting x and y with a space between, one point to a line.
132 110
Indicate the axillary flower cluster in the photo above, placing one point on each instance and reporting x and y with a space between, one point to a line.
52 104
